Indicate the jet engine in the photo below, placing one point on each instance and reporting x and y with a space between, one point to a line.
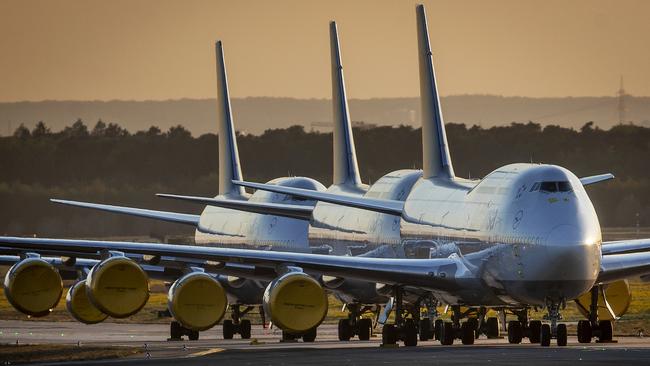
118 287
296 302
197 301
618 297
80 306
33 287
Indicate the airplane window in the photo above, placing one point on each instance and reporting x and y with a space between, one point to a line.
548 187
564 186
535 187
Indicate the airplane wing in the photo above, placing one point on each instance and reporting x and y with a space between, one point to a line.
596 179
437 274
625 246
277 209
390 207
616 267
179 218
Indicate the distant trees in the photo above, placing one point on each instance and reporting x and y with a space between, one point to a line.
108 164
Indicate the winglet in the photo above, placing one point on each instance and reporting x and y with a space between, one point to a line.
346 170
229 167
436 159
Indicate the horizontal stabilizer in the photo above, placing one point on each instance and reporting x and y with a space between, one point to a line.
277 209
596 179
179 218
390 207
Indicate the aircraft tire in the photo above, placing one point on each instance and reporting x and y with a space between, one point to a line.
447 334
561 335
310 336
389 334
492 325
545 335
437 329
606 330
425 329
345 330
410 333
534 329
468 330
175 330
473 323
515 332
228 329
245 329
365 329
584 331
193 335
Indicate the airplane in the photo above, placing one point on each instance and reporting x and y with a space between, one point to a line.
526 235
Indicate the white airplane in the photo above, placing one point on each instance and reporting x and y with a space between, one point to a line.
524 236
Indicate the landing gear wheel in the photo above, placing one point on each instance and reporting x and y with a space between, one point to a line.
473 323
584 331
389 334
447 334
410 333
545 335
245 329
345 330
468 333
175 330
310 336
606 330
561 335
193 335
228 329
288 337
437 329
515 332
365 329
426 332
534 328
492 326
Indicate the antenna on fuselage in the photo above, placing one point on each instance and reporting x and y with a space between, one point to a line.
346 169
229 168
435 159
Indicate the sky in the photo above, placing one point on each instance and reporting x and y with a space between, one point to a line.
158 49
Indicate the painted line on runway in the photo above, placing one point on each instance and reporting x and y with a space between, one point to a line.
206 352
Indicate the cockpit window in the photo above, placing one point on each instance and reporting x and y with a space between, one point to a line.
550 187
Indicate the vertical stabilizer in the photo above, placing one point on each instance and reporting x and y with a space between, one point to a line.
346 170
229 168
435 159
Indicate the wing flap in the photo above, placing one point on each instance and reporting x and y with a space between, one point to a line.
390 207
179 218
277 209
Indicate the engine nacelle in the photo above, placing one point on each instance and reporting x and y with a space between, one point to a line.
618 296
296 302
80 306
118 287
33 287
197 301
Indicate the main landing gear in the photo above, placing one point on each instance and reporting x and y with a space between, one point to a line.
467 331
404 329
587 329
237 325
355 324
177 331
308 337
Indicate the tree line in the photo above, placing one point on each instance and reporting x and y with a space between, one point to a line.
109 164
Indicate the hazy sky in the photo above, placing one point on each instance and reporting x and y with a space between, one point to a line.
87 50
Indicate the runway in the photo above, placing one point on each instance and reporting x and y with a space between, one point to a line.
150 339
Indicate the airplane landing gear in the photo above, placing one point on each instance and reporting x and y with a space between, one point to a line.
177 331
602 329
355 324
236 325
404 329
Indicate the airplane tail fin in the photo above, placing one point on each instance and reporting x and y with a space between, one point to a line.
346 170
229 167
436 159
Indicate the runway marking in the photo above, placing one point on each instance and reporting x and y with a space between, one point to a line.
206 352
